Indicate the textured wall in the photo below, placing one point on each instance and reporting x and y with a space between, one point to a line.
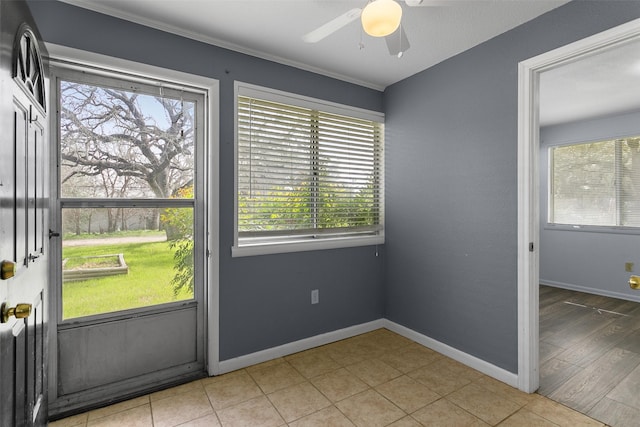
264 300
451 265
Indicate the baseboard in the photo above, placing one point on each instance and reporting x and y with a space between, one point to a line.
595 291
329 337
297 346
460 356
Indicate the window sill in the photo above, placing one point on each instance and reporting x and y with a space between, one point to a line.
304 244
593 228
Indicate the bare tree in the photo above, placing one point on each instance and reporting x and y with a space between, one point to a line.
133 145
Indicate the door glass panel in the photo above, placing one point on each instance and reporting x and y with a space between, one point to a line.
127 177
123 258
122 144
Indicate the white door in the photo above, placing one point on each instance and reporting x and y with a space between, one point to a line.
23 222
130 254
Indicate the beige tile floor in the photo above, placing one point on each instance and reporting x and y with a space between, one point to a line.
374 379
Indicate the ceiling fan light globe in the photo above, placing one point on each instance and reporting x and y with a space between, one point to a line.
381 17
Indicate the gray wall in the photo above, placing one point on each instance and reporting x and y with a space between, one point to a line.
449 266
264 300
451 171
586 261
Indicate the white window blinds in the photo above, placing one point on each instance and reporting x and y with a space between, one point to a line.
596 183
306 172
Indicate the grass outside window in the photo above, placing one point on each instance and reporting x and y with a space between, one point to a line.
151 268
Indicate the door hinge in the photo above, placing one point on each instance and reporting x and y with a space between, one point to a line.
530 246
208 253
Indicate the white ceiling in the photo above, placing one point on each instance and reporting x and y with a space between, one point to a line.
598 85
604 83
273 29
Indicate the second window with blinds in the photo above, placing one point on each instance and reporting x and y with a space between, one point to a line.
596 185
309 173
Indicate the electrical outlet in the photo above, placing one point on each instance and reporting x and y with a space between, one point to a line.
315 297
628 267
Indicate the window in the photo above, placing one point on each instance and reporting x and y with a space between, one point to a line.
596 184
128 192
309 174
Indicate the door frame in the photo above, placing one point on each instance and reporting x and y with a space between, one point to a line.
529 188
211 89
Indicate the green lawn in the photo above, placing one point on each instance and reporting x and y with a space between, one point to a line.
148 281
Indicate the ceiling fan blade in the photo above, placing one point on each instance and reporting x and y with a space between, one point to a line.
397 42
423 3
332 26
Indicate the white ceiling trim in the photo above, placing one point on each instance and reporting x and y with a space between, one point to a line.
105 9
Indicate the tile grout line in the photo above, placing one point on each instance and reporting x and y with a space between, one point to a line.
388 349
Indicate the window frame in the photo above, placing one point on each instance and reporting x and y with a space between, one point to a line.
613 229
286 243
149 85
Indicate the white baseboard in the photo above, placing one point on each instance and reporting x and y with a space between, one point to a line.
329 337
297 346
460 356
595 291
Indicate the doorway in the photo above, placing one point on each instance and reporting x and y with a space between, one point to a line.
133 212
529 188
589 119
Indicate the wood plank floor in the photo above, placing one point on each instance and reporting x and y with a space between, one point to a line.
590 354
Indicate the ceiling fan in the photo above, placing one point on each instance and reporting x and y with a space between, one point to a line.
380 18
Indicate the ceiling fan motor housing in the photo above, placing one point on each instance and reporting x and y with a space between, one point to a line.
381 17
